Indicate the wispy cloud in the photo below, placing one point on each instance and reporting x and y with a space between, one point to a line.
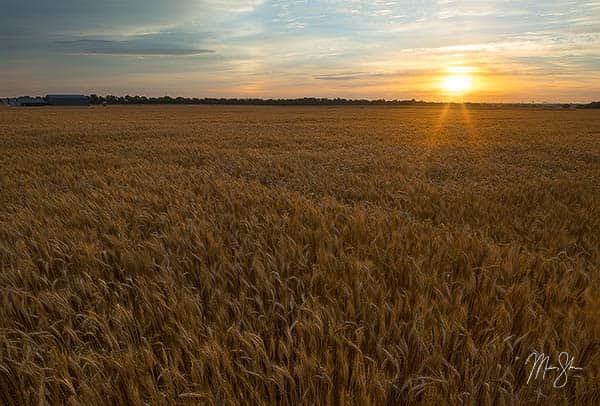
341 76
158 44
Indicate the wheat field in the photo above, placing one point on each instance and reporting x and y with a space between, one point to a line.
298 255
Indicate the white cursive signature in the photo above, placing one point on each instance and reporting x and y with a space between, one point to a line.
541 365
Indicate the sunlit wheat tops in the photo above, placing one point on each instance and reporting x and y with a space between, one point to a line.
297 256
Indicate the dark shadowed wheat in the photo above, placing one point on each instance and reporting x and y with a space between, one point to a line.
248 255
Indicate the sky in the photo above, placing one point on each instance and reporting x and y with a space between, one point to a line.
510 51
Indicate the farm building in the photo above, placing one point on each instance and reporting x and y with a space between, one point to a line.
27 101
67 100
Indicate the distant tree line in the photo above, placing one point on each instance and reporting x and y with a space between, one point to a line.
95 99
592 105
305 101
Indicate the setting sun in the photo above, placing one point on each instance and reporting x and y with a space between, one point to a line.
457 83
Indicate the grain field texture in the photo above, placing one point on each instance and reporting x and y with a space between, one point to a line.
297 255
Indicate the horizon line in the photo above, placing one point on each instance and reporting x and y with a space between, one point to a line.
316 98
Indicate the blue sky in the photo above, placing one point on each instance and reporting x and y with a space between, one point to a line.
512 50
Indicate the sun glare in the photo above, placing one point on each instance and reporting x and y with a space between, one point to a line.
457 83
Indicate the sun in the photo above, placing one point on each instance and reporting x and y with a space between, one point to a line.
457 83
